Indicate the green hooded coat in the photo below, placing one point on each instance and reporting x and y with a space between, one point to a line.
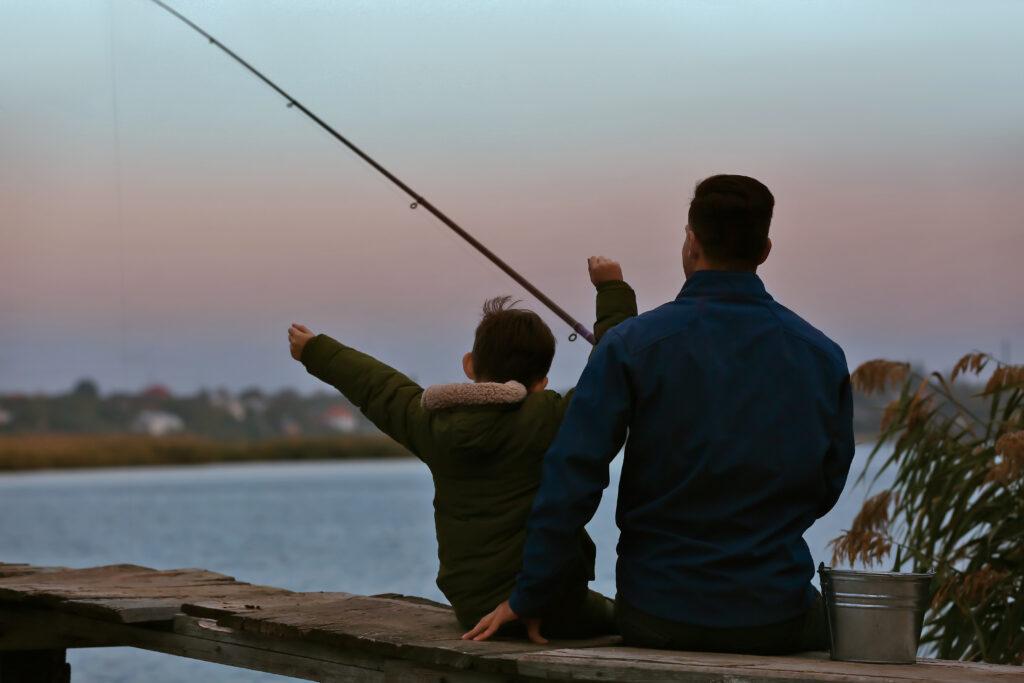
484 444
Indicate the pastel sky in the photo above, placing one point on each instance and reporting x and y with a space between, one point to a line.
164 217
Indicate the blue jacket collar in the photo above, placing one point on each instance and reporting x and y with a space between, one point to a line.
724 283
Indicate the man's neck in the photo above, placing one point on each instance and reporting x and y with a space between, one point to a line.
723 268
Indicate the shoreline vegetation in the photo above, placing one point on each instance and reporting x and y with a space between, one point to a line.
38 452
28 452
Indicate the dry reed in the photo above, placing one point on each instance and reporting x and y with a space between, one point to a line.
877 376
956 502
867 541
1005 377
972 362
1009 466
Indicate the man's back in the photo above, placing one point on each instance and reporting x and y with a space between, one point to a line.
738 406
738 416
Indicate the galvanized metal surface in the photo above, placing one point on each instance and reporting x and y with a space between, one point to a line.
874 616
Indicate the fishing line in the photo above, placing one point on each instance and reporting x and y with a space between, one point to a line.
118 189
418 201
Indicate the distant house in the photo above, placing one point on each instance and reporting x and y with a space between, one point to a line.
339 418
222 399
6 418
157 423
254 403
156 392
290 427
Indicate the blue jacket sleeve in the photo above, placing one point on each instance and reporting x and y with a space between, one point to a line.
841 451
575 473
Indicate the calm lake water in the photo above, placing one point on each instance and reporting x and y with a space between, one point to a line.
360 527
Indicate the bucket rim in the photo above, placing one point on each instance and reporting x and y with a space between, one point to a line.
855 573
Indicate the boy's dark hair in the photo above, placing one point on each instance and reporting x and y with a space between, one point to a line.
512 344
730 215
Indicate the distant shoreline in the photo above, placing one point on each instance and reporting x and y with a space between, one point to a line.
35 452
39 452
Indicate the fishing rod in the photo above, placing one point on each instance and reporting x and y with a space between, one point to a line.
417 199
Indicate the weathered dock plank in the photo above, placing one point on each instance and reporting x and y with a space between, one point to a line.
344 637
125 593
14 569
29 628
636 665
398 628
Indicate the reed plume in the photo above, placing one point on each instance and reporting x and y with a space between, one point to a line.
972 589
876 376
867 541
1005 377
1009 467
972 362
977 587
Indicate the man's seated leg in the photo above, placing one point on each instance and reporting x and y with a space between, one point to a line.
584 615
800 634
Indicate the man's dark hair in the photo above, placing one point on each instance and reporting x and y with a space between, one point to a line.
730 215
512 344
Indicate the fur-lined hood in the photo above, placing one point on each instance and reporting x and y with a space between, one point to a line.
442 396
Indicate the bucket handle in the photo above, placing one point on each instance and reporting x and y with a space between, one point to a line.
826 589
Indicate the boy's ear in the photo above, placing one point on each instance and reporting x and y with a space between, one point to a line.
467 366
539 385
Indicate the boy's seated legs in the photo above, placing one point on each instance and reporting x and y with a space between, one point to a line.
801 634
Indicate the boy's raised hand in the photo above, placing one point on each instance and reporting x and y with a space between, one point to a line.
603 270
298 337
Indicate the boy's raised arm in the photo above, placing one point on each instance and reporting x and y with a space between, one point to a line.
387 397
616 301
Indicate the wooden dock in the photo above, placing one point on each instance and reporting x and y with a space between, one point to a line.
343 637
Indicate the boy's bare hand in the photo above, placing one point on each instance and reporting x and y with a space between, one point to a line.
603 270
298 337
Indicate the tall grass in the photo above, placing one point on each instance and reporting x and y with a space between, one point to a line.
956 505
34 452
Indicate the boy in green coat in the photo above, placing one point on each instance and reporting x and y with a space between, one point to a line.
483 442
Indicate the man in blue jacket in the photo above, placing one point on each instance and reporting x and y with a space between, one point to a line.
736 416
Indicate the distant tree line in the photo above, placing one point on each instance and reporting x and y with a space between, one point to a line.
218 414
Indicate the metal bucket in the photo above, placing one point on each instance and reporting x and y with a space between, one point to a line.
874 616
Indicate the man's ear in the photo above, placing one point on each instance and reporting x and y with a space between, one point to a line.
539 385
467 366
693 245
767 250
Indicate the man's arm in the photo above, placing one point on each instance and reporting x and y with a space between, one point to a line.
387 397
574 476
841 450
